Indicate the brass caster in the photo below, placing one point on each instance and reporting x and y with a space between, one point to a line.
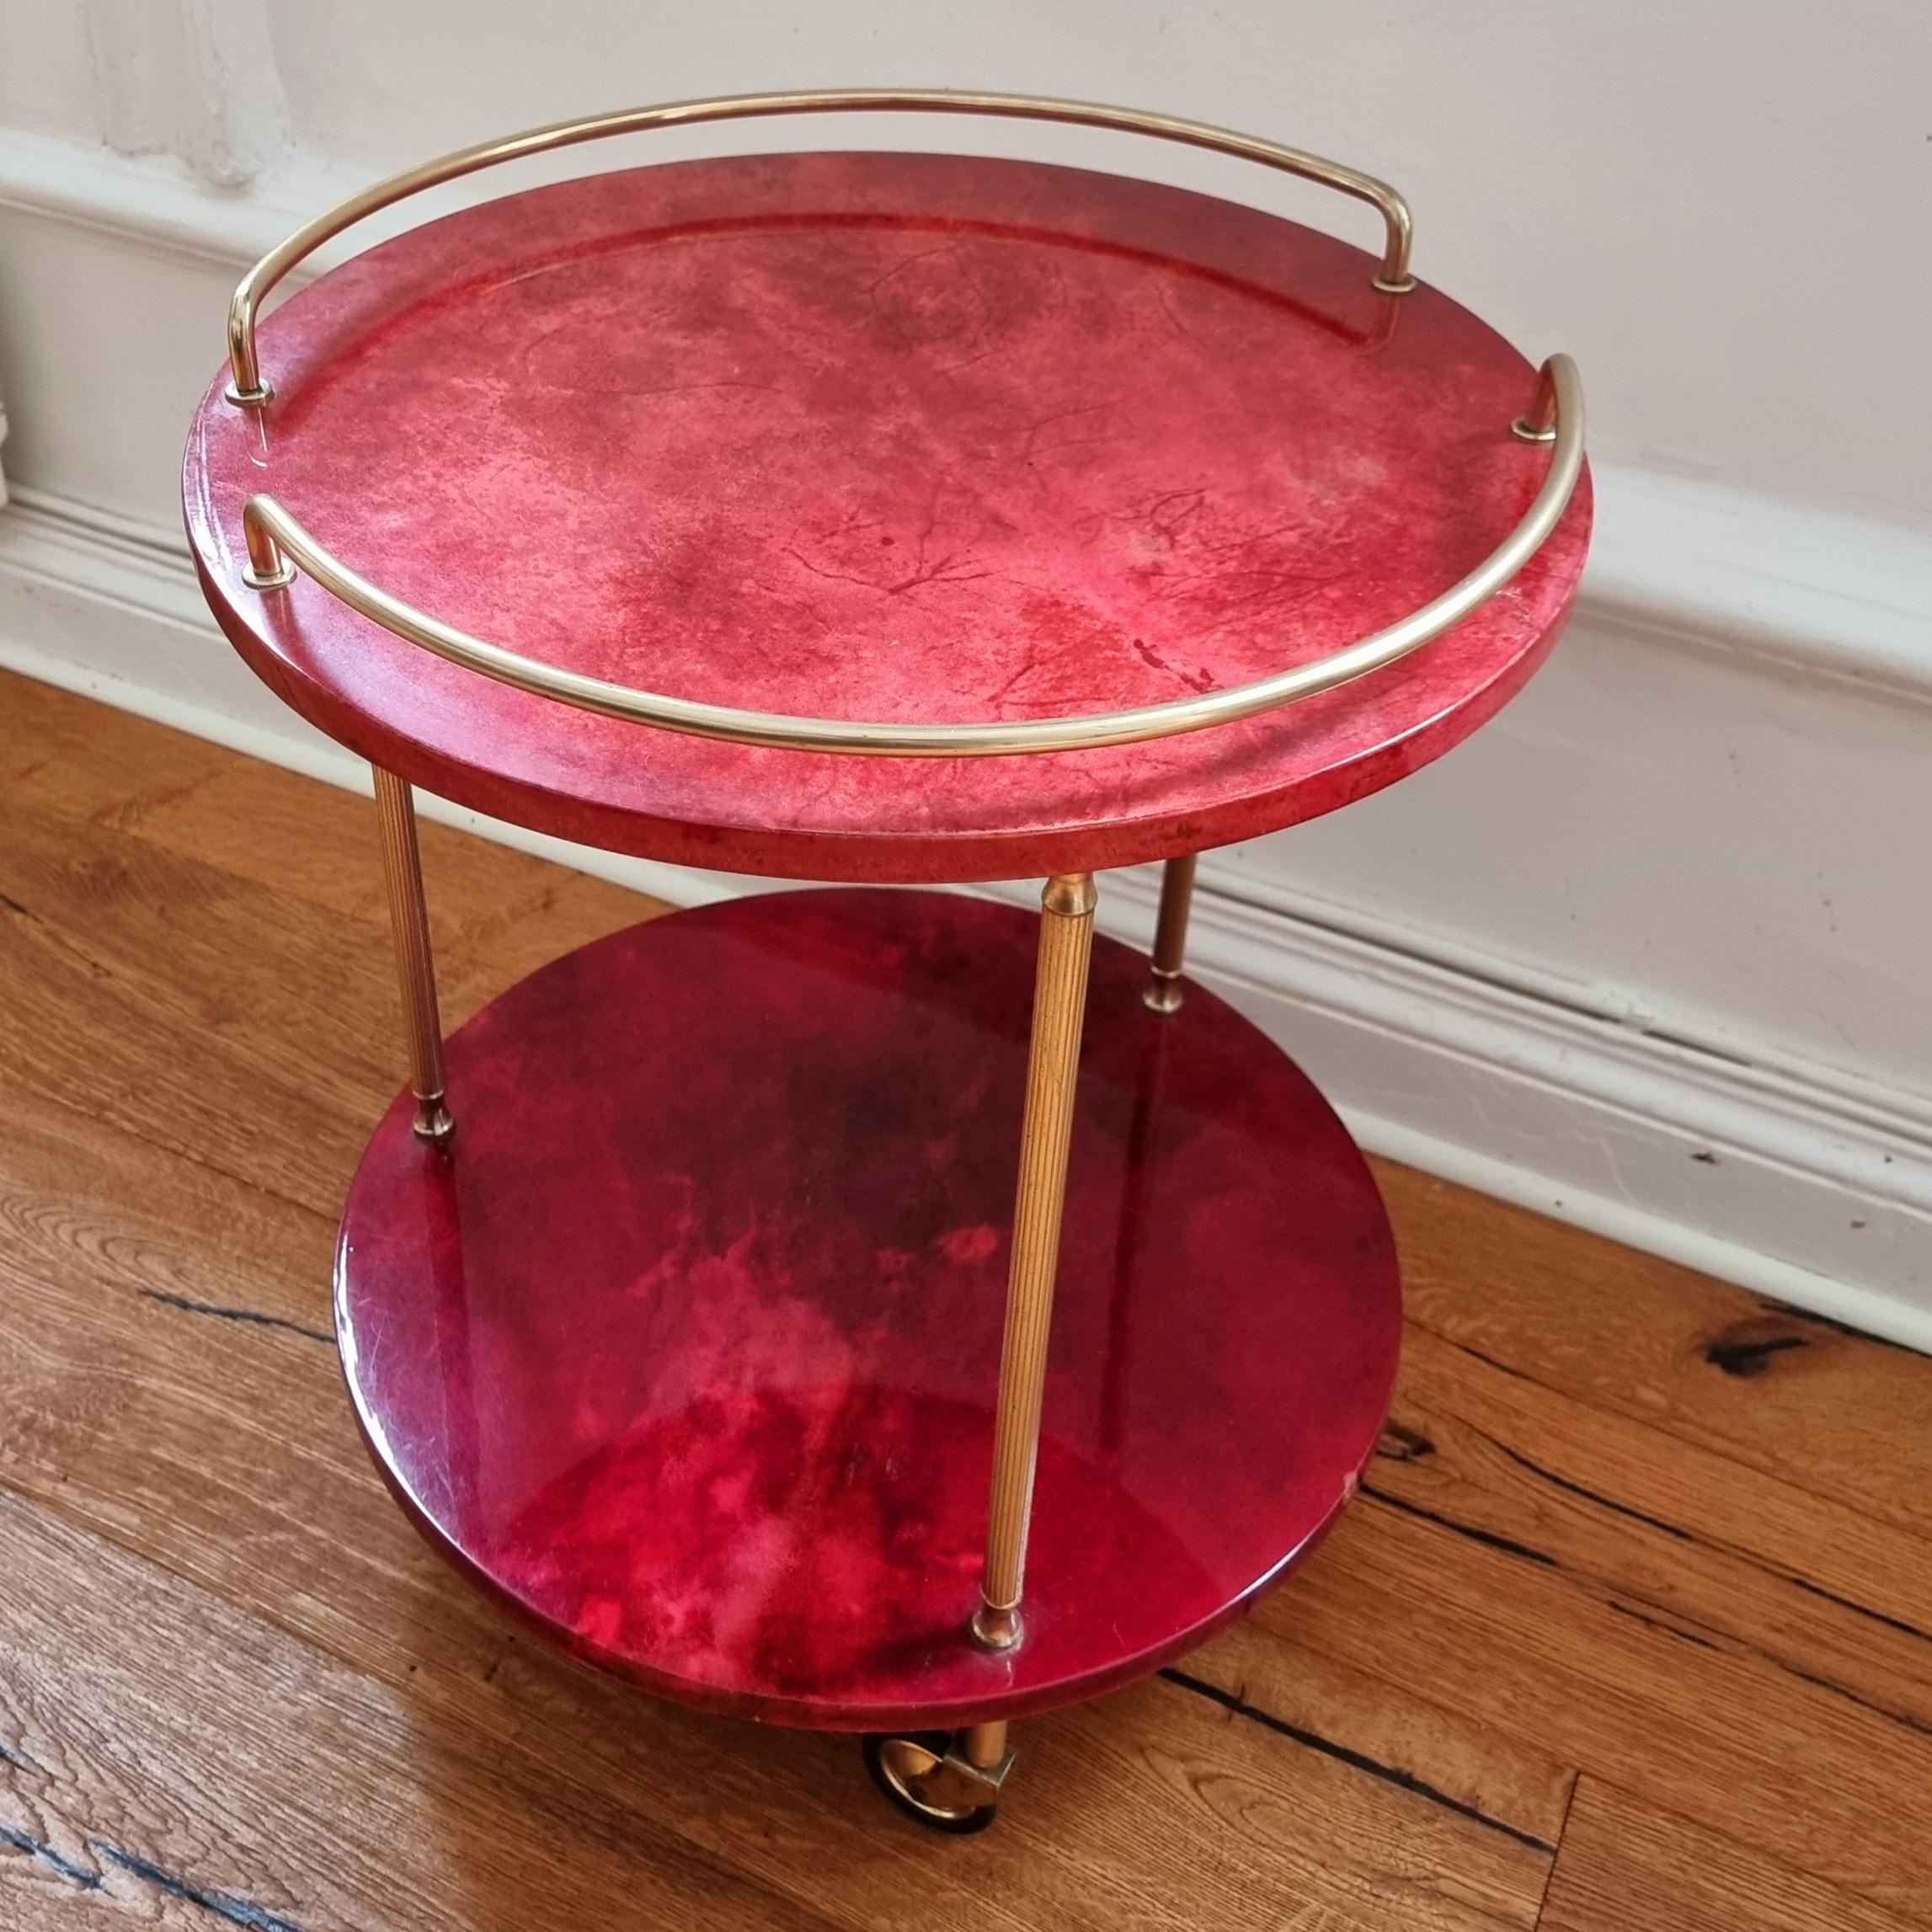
925 1774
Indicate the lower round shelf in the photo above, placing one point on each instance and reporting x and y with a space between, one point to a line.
687 1347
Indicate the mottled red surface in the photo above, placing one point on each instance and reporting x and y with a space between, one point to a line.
884 436
687 1347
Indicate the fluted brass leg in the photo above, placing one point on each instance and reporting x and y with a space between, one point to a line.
1163 994
410 919
1059 1004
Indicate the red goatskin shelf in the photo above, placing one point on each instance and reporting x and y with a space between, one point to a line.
686 1348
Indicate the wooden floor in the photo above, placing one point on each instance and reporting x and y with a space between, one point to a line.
1628 1628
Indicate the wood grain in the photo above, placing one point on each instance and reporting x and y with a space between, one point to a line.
1647 1523
1331 1705
1837 1414
214 1762
1627 1867
1712 1727
1616 1529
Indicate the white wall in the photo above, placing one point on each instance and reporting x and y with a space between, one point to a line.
1669 906
1712 205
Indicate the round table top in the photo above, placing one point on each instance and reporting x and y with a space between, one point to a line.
893 437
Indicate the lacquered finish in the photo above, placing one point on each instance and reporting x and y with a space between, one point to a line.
883 436
687 1345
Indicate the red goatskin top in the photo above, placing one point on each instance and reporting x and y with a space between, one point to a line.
892 437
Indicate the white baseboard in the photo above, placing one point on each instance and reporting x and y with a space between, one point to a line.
1808 1184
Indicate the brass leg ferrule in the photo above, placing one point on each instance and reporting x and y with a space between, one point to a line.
1059 1005
1164 990
1538 423
1163 994
416 971
267 568
997 1627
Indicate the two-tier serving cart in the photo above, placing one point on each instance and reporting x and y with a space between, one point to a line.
883 520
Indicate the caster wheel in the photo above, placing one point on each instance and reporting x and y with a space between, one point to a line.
925 1777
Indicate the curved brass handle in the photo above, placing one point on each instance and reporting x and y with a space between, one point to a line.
276 543
248 391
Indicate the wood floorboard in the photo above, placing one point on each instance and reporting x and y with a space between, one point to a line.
1331 1704
1594 1498
216 1760
1627 1867
1713 1727
1839 1415
1633 1611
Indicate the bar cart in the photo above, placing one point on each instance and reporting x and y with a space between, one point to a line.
882 520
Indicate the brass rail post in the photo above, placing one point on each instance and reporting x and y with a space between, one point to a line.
1163 994
415 972
1059 1004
